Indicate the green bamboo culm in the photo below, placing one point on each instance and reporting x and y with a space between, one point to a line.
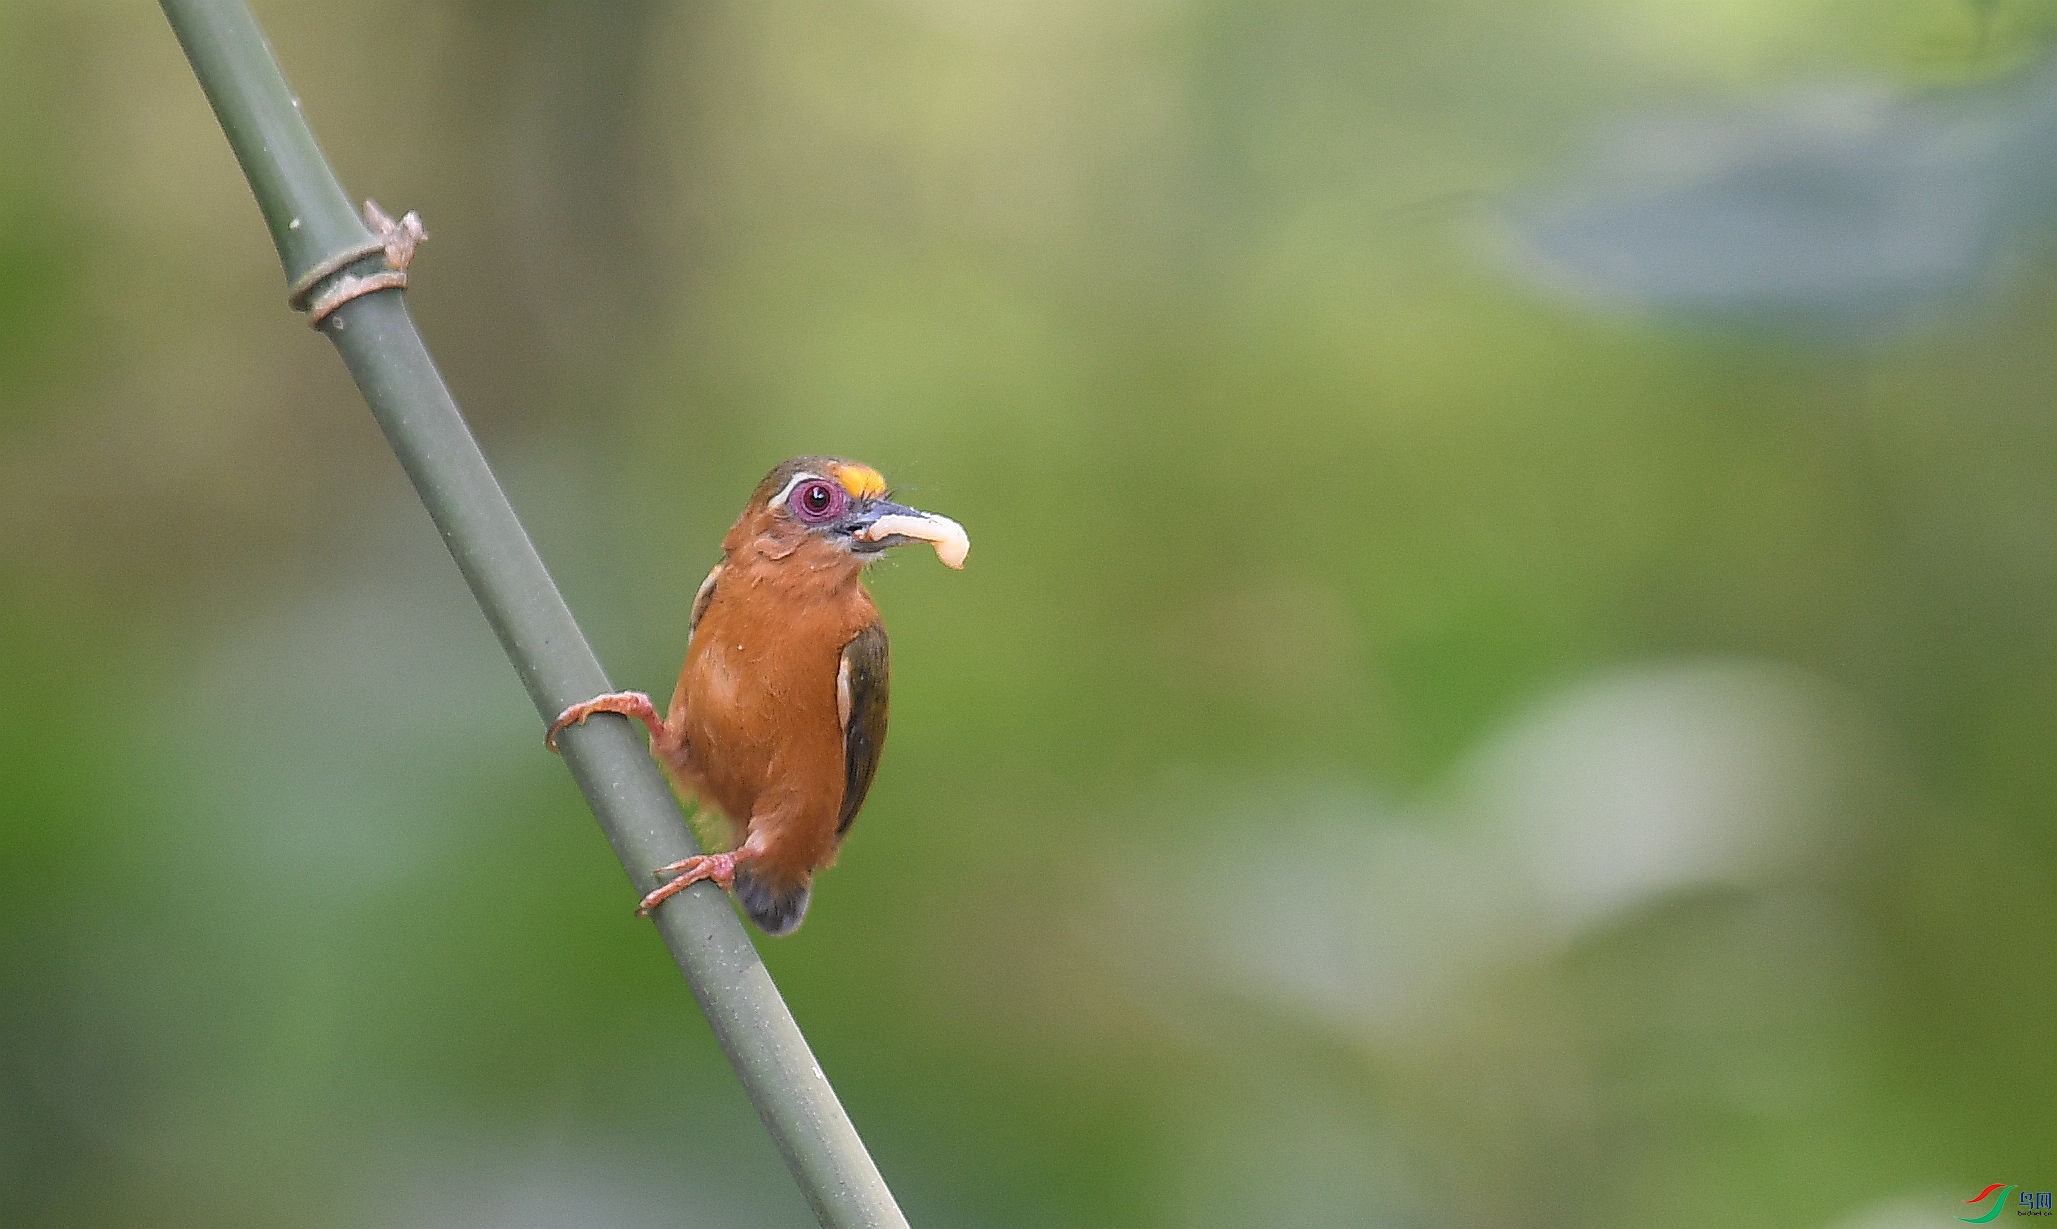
311 220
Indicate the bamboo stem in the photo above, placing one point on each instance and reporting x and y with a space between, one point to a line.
310 218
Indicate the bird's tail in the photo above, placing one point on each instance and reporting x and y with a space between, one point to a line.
775 906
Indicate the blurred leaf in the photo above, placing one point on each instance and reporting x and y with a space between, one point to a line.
41 310
1853 207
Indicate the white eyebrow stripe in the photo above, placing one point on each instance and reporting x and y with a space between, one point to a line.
779 500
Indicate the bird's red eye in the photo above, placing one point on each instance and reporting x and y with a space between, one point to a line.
817 501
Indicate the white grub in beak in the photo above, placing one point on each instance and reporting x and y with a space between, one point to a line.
946 535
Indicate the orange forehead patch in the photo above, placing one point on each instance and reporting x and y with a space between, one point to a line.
862 481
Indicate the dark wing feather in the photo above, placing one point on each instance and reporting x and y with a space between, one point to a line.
861 689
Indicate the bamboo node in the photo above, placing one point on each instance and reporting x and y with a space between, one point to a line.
396 241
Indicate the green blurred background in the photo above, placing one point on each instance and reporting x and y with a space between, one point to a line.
1410 748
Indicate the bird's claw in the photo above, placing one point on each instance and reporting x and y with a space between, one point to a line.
627 703
720 868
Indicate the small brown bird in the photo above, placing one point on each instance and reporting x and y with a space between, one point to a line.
780 711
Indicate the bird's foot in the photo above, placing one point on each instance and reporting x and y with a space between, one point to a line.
719 867
628 703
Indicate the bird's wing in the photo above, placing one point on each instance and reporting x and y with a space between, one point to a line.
700 600
861 702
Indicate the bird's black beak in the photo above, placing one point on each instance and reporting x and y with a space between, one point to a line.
880 524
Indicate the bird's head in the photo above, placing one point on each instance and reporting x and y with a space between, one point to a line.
817 501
